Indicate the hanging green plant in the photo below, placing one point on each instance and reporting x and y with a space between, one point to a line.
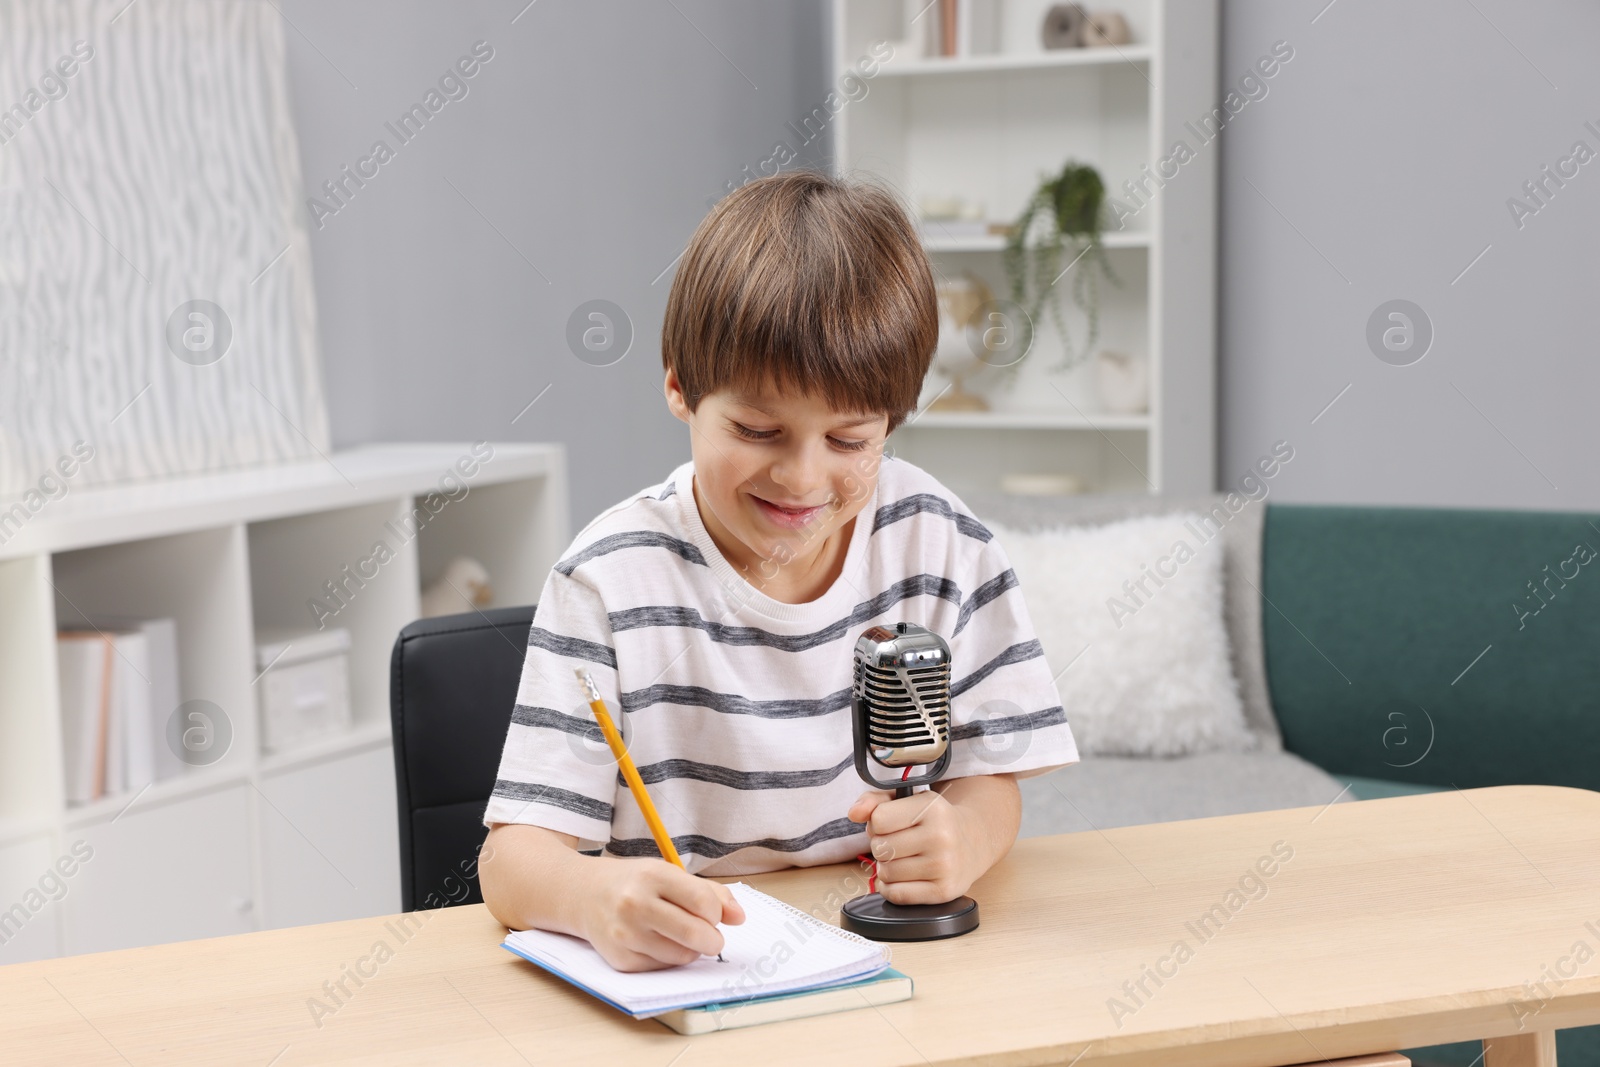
1066 209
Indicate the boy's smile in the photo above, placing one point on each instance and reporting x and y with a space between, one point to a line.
794 517
778 481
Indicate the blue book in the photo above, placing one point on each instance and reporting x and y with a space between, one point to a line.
776 964
885 987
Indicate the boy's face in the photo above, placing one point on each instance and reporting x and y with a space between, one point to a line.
755 456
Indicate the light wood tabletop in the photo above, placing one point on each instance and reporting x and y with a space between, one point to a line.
1279 937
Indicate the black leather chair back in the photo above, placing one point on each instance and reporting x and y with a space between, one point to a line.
452 685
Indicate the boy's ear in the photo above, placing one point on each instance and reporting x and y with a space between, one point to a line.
674 393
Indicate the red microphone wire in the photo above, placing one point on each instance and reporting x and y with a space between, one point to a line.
873 877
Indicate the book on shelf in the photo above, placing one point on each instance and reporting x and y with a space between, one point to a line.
118 683
961 27
83 661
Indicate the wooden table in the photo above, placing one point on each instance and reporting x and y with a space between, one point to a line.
1350 929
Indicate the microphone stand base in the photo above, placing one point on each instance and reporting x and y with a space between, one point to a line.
873 917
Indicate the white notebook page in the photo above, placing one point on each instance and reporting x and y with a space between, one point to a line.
778 948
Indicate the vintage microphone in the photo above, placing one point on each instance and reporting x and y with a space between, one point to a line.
900 713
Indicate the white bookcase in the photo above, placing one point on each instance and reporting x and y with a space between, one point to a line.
987 127
253 840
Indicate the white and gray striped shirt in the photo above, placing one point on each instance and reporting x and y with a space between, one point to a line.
735 706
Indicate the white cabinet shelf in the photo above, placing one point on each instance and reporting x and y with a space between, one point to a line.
254 839
195 782
935 66
1028 420
934 241
988 128
358 738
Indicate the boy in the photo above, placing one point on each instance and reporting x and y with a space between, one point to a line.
718 611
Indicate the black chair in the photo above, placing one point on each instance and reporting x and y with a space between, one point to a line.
452 685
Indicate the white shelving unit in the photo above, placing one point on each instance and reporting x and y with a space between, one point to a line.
254 840
936 242
988 128
1032 58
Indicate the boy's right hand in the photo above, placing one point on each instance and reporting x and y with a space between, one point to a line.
647 914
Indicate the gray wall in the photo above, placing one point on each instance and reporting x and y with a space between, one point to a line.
582 157
1382 159
1377 167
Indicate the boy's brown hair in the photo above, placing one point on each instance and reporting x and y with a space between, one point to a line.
814 284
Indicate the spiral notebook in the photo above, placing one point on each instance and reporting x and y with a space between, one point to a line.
777 949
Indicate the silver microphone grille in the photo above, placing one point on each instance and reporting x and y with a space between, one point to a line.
902 679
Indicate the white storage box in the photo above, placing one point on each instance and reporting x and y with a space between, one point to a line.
305 687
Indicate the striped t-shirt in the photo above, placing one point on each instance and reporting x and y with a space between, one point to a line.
735 706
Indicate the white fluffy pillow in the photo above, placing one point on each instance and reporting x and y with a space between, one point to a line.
1152 675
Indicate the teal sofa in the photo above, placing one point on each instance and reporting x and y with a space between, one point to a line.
1469 647
1379 651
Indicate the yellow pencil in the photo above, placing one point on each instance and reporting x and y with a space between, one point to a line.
658 829
629 771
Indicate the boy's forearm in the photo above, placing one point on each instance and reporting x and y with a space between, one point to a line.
993 804
532 878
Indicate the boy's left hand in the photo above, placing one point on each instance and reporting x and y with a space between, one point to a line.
924 845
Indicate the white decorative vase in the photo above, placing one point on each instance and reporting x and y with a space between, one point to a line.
956 354
1123 382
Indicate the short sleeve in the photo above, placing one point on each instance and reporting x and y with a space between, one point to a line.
1006 715
555 769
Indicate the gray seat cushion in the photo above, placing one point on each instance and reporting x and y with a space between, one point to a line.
1105 791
